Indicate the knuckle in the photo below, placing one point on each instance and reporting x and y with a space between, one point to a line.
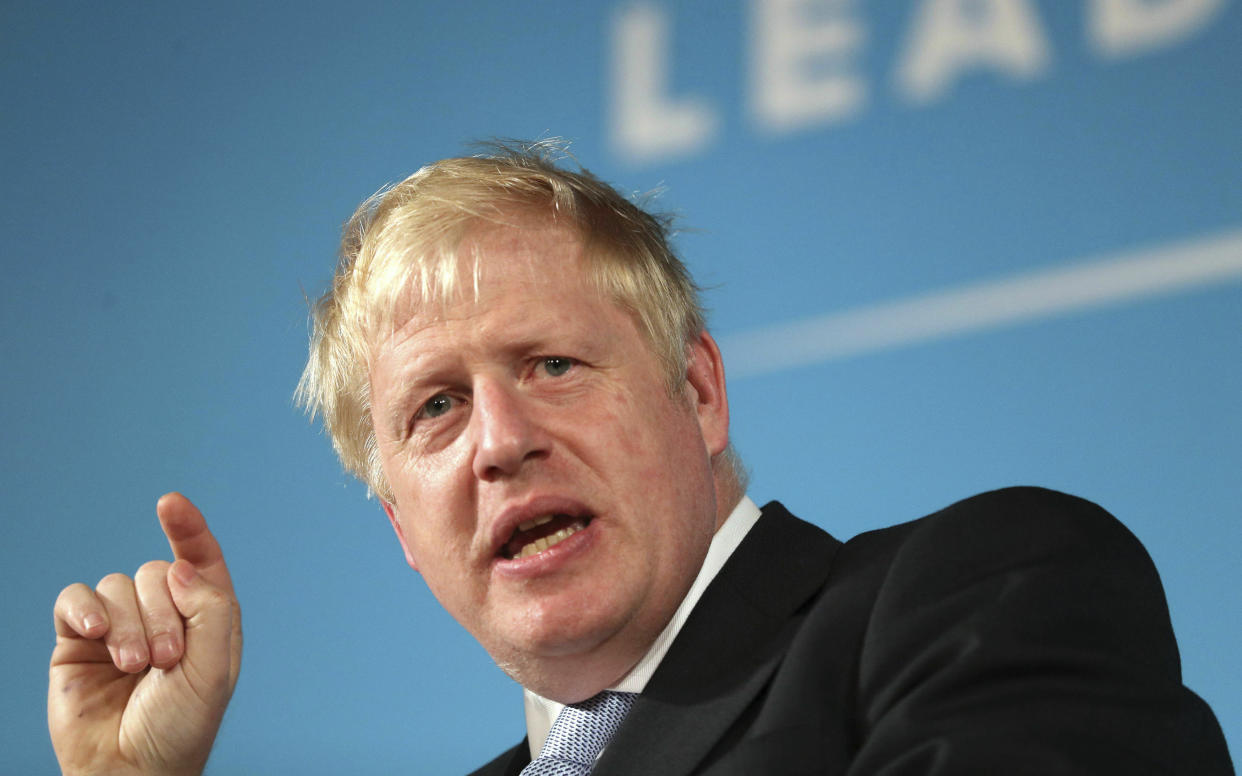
69 594
77 606
157 620
156 630
152 569
113 581
123 632
158 616
216 599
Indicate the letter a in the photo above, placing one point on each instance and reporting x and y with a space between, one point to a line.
950 36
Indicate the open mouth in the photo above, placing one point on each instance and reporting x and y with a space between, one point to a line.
540 533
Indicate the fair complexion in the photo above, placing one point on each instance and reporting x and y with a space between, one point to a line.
144 666
538 398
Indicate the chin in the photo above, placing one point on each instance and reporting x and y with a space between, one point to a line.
577 619
565 679
565 635
542 652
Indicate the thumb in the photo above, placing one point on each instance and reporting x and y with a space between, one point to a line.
212 654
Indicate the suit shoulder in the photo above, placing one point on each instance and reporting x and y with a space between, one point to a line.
1006 527
1020 626
1024 522
1049 508
1030 557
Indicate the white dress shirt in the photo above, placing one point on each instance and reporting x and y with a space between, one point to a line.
541 711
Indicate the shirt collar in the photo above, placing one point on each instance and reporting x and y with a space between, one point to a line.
541 711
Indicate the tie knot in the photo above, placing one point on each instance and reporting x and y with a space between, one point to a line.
579 733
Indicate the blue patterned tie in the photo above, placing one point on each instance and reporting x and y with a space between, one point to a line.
579 734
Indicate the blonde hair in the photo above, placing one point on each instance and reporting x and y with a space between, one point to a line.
402 243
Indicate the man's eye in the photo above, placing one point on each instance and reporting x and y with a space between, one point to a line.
556 366
436 406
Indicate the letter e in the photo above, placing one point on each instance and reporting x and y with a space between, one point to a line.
798 75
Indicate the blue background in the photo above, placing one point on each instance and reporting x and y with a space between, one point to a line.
174 177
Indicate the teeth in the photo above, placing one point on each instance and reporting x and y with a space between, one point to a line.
539 545
538 521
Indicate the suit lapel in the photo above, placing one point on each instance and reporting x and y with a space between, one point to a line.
727 650
509 763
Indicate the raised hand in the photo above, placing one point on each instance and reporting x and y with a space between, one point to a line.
144 667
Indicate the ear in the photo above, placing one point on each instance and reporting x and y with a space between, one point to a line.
705 375
391 511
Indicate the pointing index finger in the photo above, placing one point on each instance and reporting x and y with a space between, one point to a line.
191 540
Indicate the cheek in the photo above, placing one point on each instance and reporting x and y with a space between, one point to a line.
662 461
430 481
442 551
439 504
667 440
625 441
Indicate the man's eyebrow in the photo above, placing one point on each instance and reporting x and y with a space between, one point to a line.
398 419
399 410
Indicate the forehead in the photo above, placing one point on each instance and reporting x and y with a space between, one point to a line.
494 261
530 268
497 258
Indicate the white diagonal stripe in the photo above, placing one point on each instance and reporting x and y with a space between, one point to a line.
1092 283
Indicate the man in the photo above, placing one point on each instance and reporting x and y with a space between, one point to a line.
512 358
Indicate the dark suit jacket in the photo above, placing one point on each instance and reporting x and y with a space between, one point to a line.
1021 631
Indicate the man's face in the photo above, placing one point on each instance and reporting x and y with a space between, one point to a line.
554 495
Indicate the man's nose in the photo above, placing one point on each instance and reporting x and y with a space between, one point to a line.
506 432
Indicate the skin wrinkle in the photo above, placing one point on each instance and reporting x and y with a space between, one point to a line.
417 380
403 243
605 434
